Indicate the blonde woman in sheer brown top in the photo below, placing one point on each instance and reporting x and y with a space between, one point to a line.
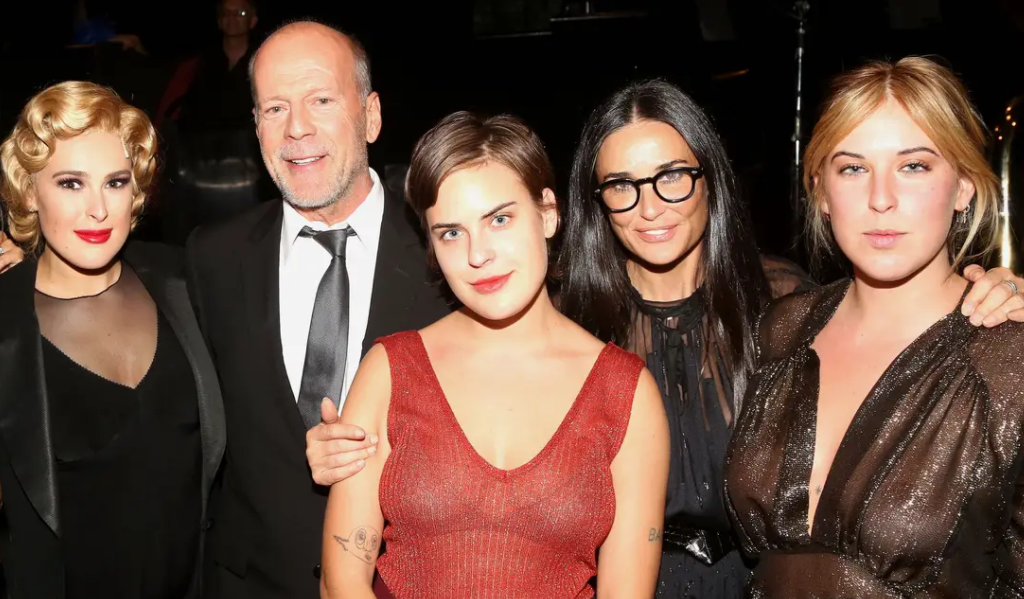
879 450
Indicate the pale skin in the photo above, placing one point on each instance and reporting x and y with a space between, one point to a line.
659 271
659 266
886 175
86 185
309 105
541 359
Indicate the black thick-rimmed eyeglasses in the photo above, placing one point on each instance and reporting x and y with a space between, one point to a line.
672 185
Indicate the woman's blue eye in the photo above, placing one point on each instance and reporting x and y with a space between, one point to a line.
917 167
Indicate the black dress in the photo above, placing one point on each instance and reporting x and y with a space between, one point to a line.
925 496
128 449
701 558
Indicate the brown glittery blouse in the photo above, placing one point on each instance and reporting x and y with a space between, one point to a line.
925 497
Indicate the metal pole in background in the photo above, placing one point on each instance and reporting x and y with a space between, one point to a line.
800 9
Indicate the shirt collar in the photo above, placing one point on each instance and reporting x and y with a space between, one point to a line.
365 221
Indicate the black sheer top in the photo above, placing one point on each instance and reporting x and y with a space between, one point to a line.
125 423
925 497
700 557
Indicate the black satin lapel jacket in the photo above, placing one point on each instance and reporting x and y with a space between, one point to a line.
30 529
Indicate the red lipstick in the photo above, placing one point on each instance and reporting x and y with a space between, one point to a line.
491 284
97 236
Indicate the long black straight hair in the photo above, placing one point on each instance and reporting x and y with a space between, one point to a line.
595 290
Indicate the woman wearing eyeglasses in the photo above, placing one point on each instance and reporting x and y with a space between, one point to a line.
659 257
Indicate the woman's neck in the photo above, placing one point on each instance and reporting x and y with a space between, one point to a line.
57 278
668 283
529 330
908 306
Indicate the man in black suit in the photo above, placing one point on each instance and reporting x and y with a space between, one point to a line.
290 296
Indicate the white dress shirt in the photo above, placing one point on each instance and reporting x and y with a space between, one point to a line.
303 264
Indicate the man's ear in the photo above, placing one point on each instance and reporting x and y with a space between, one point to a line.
373 117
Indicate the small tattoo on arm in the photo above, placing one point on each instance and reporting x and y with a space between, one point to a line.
817 490
654 535
362 543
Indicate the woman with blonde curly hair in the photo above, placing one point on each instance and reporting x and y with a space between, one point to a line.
111 424
880 451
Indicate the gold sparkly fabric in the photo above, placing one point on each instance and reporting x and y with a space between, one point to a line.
458 527
925 497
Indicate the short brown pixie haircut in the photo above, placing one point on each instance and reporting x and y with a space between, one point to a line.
463 140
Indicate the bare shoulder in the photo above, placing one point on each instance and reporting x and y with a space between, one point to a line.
441 326
647 427
375 360
442 338
371 389
577 340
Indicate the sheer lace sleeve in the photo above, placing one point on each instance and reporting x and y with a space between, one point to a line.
785 277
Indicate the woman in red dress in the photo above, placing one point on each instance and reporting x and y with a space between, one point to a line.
513 444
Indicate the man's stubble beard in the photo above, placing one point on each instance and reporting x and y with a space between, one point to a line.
342 185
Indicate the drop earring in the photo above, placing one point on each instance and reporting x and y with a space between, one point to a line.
962 217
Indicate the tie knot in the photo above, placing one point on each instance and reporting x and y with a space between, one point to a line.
333 240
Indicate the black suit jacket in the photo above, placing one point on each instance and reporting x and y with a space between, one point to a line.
30 551
269 513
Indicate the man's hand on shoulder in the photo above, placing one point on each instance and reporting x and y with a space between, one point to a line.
336 451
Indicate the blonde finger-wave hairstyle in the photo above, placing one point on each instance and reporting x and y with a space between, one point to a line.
939 104
61 112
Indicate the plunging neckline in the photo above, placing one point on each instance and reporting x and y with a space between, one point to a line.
811 527
463 439
89 371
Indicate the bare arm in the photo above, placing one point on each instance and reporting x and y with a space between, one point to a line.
354 523
334 450
628 562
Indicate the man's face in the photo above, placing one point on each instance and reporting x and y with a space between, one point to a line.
235 17
312 122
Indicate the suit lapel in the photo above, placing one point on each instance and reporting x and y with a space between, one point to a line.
24 407
171 297
262 299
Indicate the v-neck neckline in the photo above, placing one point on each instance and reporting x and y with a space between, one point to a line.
866 411
463 439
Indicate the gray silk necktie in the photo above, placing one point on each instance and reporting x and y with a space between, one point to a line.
323 372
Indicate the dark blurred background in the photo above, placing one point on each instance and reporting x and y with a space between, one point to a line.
548 61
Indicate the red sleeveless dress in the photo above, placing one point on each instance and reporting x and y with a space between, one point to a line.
458 527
